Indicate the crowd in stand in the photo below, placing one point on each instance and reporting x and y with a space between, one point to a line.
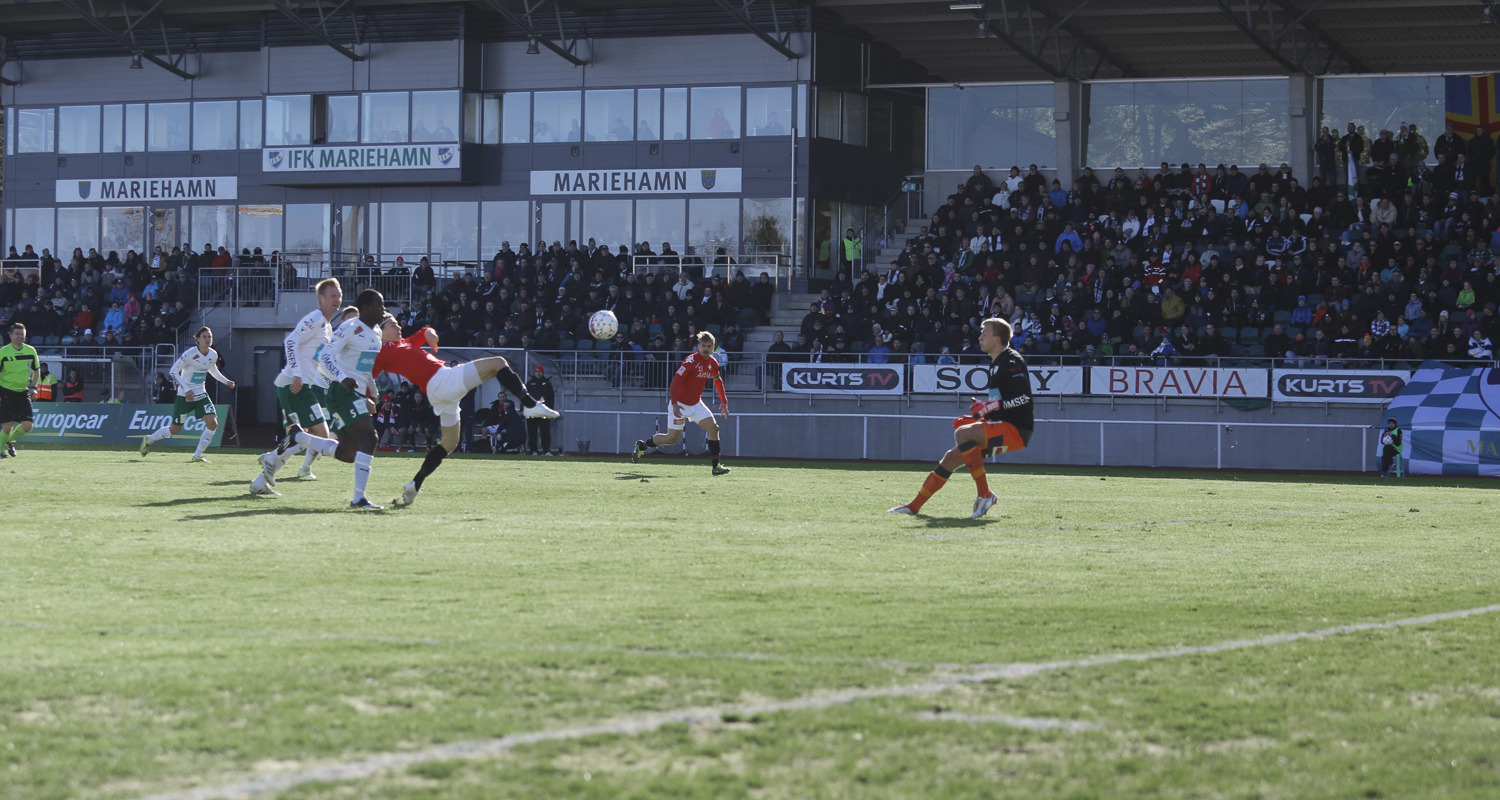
542 300
104 301
1383 256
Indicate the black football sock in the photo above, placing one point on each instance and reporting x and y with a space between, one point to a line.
511 382
713 450
430 464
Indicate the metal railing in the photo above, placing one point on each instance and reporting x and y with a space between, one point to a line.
777 265
391 274
242 287
126 370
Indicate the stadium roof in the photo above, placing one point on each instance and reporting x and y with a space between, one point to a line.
959 42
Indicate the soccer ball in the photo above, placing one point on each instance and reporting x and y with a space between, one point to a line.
603 325
1387 439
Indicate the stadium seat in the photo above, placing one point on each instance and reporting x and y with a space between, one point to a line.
50 340
1231 335
1200 331
654 328
714 329
747 319
1314 299
1255 351
1139 334
1249 335
1043 346
1282 318
1024 299
858 347
1295 332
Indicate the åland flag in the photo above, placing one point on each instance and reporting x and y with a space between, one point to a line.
1471 102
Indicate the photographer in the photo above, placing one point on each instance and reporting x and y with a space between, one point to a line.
1390 446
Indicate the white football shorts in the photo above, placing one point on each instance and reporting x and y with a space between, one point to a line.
447 389
690 413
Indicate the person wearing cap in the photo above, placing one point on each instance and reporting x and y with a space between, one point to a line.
539 431
1390 446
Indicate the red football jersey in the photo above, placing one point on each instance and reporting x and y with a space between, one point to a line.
408 358
687 387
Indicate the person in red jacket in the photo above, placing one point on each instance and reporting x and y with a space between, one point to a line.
445 387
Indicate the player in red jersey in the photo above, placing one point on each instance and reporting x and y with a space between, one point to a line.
445 387
685 402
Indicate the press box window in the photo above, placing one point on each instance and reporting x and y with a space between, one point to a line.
79 129
385 117
35 129
215 125
288 120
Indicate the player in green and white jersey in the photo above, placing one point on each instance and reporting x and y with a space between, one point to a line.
348 361
301 388
190 373
20 369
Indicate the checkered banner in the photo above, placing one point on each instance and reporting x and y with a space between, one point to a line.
1452 420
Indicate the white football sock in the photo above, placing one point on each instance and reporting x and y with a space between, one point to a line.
317 444
362 463
291 452
312 455
203 441
163 432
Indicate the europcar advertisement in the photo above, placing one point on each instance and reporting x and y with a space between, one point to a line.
114 423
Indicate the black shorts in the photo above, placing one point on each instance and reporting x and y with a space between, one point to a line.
14 406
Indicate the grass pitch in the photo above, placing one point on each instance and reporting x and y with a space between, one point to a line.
164 630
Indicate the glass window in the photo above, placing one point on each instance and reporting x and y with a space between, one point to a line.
767 226
504 221
34 129
607 222
473 117
77 227
123 230
716 112
343 118
260 226
674 115
515 118
491 127
135 128
167 127
79 131
213 226
33 227
648 114
661 220
1380 103
385 117
555 117
992 126
434 116
288 120
829 114
802 109
113 140
713 224
403 228
609 115
215 126
249 124
307 230
768 112
1225 122
855 111
553 224
455 231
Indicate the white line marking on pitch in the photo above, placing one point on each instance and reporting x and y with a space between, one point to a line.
1029 723
367 767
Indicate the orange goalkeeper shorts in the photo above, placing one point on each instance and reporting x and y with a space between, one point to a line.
1002 437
